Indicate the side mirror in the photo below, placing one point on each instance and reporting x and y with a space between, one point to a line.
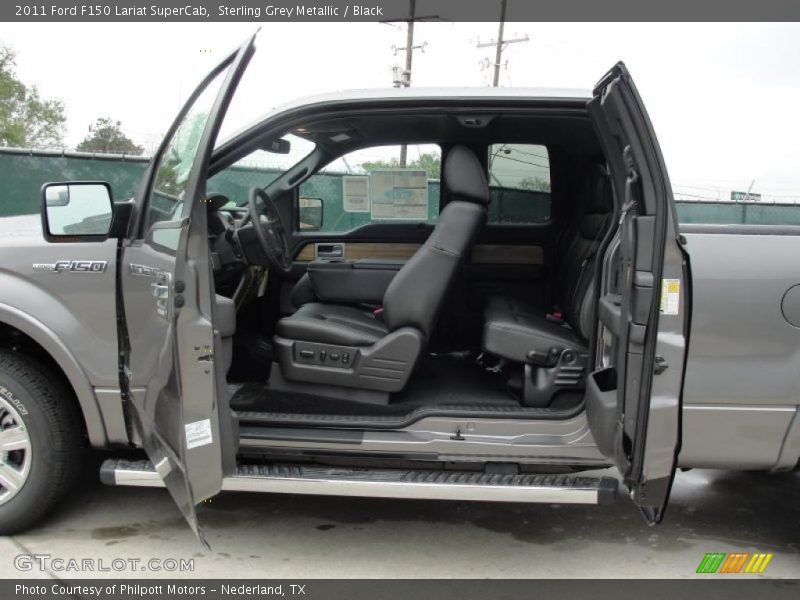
309 213
77 211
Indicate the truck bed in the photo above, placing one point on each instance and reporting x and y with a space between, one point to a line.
742 381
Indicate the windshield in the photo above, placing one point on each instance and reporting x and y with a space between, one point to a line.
258 169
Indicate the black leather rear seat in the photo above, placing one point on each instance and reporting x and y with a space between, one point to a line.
524 333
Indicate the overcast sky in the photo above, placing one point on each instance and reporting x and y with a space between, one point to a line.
723 98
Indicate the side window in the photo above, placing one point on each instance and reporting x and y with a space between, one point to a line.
519 180
371 186
165 202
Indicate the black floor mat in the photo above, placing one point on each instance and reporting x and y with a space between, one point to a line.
251 351
438 381
444 380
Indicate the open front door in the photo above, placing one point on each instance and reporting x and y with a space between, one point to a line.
643 304
174 387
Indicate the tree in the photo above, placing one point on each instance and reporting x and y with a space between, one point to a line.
429 162
26 119
535 184
106 137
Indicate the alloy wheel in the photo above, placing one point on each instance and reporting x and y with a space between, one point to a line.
15 452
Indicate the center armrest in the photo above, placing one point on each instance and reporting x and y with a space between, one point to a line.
378 263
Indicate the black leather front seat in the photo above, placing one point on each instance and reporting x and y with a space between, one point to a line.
333 324
343 345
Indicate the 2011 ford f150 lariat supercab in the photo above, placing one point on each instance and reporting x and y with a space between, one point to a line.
487 321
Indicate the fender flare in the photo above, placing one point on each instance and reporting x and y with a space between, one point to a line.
77 378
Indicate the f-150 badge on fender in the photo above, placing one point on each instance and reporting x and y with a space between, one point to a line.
73 266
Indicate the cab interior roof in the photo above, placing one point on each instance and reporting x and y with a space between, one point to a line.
336 136
558 123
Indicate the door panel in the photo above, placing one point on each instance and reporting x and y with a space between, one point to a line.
170 376
352 251
485 254
643 312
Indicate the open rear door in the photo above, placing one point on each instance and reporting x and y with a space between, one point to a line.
168 373
635 391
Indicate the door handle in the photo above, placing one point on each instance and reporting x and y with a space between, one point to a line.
330 251
162 292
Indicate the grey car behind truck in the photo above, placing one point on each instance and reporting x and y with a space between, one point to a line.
537 315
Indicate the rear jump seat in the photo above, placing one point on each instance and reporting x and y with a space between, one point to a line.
554 351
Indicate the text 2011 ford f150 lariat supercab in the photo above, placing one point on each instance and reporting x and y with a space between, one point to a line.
487 321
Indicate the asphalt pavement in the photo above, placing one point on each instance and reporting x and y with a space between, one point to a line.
281 536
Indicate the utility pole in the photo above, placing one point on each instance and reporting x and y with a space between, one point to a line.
499 51
409 58
402 78
500 45
412 8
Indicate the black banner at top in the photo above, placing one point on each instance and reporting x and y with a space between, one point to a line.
395 10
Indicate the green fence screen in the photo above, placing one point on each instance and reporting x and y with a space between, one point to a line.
738 213
23 172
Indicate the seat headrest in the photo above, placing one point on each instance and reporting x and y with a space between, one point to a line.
464 176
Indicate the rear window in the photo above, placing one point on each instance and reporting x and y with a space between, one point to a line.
519 182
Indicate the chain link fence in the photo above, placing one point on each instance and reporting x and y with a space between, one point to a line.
23 172
738 213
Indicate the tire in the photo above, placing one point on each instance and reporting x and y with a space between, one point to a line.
37 476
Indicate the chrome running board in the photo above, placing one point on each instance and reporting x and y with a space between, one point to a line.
387 483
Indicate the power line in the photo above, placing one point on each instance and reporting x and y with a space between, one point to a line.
500 45
524 162
517 150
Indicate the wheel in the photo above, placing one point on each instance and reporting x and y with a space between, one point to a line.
40 441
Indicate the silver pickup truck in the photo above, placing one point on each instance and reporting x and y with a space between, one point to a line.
534 317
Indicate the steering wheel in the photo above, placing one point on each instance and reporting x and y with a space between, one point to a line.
270 232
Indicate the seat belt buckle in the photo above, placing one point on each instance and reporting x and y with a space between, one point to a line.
555 317
378 313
